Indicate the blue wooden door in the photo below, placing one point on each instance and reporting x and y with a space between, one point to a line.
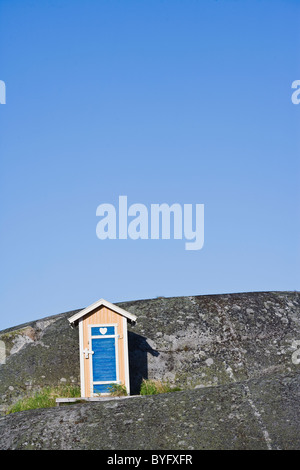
104 358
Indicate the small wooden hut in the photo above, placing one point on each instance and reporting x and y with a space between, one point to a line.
103 347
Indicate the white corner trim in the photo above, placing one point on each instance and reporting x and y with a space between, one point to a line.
126 355
82 384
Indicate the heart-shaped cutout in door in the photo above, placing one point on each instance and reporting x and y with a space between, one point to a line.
103 331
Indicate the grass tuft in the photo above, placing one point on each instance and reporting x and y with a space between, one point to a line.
45 398
154 387
118 390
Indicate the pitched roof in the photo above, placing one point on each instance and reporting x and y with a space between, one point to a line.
101 303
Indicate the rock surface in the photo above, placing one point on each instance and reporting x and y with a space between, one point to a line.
239 352
261 414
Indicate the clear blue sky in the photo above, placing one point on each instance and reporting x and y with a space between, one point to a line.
163 101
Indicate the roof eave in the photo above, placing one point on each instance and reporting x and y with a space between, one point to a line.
99 303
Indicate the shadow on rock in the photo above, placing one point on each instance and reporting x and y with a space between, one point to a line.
138 360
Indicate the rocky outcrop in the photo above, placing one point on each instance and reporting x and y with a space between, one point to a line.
199 341
215 339
41 353
215 347
262 413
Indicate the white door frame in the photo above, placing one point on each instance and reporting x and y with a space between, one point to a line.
115 336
